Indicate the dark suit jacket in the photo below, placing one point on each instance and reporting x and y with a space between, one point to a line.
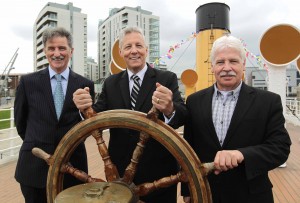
256 129
156 161
37 125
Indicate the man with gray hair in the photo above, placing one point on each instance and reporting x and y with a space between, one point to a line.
238 127
140 87
45 112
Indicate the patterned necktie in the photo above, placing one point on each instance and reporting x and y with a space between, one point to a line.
58 96
135 90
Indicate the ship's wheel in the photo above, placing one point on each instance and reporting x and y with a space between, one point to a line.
115 188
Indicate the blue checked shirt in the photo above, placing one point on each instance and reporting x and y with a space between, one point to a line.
223 105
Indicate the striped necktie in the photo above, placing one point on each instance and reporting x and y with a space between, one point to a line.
58 96
135 90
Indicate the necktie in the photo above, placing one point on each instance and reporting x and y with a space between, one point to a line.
135 90
58 96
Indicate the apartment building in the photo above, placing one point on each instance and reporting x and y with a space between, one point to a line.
69 17
118 19
92 70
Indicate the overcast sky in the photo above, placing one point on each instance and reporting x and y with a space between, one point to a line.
248 20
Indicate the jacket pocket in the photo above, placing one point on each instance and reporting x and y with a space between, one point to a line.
260 184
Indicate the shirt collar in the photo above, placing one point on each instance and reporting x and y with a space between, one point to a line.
235 92
64 74
141 73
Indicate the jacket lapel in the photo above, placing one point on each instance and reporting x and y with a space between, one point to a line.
207 110
124 86
71 88
246 98
146 88
47 90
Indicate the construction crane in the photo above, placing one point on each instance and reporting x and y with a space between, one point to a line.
4 80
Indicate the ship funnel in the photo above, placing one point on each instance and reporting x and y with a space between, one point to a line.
279 46
212 22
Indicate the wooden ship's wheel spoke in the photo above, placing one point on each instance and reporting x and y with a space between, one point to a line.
123 188
66 167
131 168
146 188
111 171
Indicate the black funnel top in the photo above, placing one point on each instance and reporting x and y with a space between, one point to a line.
212 16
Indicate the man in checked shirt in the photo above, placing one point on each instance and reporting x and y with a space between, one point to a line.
239 128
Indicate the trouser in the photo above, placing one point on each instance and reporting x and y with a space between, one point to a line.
34 195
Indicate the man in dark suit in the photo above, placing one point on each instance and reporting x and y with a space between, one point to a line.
156 87
40 123
239 128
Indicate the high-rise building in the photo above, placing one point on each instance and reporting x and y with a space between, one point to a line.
69 17
120 18
92 70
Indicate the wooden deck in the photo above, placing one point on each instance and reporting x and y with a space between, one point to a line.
286 181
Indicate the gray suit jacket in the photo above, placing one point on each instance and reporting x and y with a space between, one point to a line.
38 126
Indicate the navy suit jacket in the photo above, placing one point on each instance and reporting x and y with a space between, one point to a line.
256 129
156 161
38 126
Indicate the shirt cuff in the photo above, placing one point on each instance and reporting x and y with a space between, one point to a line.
80 114
167 120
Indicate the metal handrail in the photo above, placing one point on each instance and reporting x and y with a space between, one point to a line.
11 138
292 105
9 148
9 151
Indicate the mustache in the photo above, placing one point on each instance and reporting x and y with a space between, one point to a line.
227 73
57 58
